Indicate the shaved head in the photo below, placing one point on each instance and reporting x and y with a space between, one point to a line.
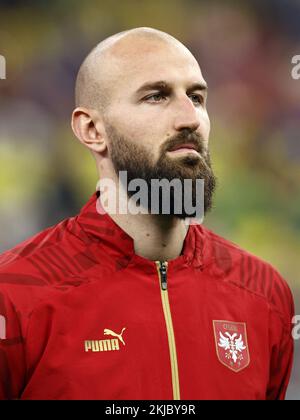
105 63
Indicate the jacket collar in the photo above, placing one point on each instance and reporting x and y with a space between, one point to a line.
101 229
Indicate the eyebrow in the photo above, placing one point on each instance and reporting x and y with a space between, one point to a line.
163 85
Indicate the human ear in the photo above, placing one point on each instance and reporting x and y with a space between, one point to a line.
88 128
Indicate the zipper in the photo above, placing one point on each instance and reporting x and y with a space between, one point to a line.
162 268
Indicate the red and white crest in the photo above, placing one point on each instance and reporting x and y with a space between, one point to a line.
232 344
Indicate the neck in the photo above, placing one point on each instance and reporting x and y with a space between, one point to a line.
156 237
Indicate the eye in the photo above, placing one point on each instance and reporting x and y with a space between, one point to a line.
197 99
156 97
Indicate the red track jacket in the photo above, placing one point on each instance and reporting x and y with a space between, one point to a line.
83 317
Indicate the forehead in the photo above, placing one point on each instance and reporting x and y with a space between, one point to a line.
134 64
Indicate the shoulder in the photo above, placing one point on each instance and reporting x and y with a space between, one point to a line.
41 262
228 262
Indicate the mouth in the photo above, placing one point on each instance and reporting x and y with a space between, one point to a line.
184 148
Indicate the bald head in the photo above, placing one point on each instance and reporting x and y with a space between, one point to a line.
104 65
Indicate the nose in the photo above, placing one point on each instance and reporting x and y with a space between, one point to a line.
187 116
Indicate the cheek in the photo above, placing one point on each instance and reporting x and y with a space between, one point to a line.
140 134
139 131
205 124
140 128
129 126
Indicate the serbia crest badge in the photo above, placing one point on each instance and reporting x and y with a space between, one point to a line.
232 344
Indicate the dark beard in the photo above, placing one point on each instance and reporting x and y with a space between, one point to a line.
135 159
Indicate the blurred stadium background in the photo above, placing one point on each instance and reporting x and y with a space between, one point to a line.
245 51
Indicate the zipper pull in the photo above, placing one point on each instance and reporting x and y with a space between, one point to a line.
163 275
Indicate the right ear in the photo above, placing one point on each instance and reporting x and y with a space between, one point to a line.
89 129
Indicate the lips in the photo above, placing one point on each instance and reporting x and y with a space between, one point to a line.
184 146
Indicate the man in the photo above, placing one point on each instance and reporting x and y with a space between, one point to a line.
142 305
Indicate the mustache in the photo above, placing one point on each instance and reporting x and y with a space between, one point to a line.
185 136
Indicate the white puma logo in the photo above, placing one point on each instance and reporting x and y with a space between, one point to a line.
110 332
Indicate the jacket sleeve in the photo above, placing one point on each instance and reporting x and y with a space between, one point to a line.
281 341
12 361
